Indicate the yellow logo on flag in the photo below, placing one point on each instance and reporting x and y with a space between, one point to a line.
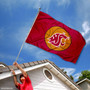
57 38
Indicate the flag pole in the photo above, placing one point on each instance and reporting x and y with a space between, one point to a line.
26 36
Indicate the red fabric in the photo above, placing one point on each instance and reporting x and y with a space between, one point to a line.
37 37
27 85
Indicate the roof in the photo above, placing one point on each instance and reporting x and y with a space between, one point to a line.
59 72
83 80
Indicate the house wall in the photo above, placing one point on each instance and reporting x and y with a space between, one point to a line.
7 84
85 86
39 82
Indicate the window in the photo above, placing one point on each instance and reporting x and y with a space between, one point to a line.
48 74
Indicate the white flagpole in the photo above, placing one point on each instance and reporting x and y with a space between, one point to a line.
26 37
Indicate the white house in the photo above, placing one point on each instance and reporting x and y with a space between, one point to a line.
44 74
84 84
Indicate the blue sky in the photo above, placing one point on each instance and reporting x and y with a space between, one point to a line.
16 19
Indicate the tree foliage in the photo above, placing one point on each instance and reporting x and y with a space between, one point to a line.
71 77
84 74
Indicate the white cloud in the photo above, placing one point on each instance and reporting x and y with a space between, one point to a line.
88 40
9 57
30 48
21 33
84 15
76 76
86 28
69 71
86 31
38 53
36 4
43 55
63 2
9 4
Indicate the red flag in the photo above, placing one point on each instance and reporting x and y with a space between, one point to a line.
55 37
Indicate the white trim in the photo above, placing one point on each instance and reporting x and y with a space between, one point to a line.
83 80
9 74
2 65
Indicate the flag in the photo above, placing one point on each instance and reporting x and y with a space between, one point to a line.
55 37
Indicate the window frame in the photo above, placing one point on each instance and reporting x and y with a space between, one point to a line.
51 80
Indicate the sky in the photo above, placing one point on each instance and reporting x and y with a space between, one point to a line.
17 17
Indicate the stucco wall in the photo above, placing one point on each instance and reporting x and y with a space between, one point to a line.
39 82
85 86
